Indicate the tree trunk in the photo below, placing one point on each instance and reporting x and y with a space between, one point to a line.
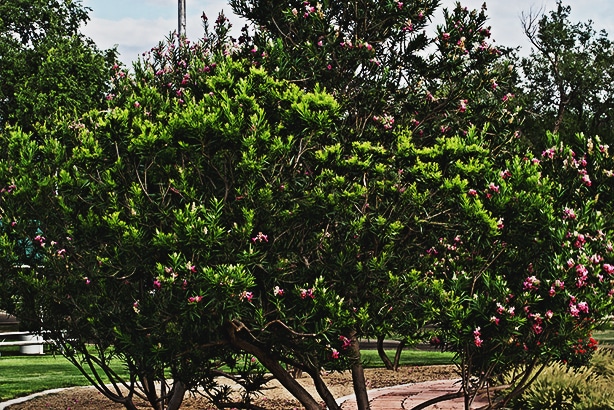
128 404
382 353
358 376
397 356
177 395
323 390
276 369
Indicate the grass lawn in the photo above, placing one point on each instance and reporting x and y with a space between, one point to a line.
21 375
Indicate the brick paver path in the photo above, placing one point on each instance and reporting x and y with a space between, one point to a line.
407 396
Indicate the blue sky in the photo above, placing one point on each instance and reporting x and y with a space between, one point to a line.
137 25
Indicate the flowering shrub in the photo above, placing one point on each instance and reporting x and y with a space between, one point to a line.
533 289
141 230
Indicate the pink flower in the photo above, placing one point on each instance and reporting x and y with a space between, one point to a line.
260 237
586 180
580 241
345 341
609 269
569 213
531 283
157 284
500 224
549 153
472 192
334 354
476 337
494 188
87 281
195 299
277 291
307 293
462 106
595 259
247 295
505 174
445 36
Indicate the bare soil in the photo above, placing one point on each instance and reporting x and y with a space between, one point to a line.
274 398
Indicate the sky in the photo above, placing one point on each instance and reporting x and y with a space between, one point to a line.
135 26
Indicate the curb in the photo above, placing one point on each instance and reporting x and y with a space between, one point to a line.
18 400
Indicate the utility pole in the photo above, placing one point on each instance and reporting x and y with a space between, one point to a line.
181 30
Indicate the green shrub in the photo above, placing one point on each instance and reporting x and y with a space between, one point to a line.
562 387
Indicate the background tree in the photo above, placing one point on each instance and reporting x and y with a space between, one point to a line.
48 68
568 76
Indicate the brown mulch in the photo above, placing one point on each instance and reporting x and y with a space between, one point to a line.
274 398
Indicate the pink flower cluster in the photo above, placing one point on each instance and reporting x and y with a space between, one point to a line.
531 283
387 121
260 237
307 293
556 286
195 299
477 340
575 309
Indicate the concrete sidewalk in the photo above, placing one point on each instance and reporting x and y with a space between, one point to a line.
405 397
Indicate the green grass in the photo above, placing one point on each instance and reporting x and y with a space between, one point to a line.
605 337
21 375
410 357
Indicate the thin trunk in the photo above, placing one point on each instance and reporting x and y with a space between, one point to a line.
323 390
149 387
177 394
128 404
382 353
276 369
358 376
397 356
